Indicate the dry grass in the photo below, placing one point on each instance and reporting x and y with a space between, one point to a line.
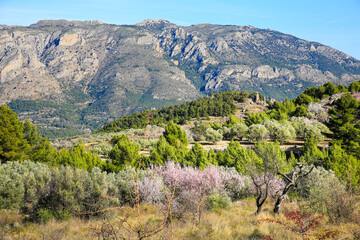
238 223
57 230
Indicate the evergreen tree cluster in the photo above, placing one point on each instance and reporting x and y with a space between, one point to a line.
218 104
20 141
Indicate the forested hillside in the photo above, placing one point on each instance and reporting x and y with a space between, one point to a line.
148 175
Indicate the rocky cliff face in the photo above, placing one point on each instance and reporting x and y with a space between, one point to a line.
235 57
79 74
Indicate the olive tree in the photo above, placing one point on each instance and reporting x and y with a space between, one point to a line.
239 131
262 169
213 135
281 132
265 173
256 132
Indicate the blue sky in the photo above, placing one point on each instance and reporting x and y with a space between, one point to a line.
332 22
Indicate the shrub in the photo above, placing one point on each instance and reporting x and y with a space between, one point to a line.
198 132
299 125
238 131
232 121
122 185
174 133
44 215
327 195
197 156
315 108
226 132
271 126
213 135
216 126
256 132
78 157
322 127
313 129
236 156
123 153
345 166
331 198
300 111
118 138
285 133
256 118
11 190
62 214
218 200
280 132
33 178
164 152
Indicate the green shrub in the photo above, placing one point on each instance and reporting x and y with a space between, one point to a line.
281 132
299 125
197 156
216 126
232 121
174 133
256 132
329 197
218 200
123 153
313 129
44 215
62 214
212 135
11 190
238 131
256 118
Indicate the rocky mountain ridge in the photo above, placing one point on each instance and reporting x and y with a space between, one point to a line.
72 74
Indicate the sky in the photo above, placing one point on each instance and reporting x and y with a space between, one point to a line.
335 23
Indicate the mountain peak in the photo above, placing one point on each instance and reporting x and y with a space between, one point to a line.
64 23
155 23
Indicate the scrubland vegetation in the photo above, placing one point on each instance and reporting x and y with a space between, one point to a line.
150 183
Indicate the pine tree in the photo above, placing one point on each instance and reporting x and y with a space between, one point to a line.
174 133
124 153
13 146
197 156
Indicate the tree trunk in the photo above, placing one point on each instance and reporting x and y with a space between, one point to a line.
258 210
282 197
260 203
278 203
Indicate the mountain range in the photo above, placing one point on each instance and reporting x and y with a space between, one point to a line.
70 77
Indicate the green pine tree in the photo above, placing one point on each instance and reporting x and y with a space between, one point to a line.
13 146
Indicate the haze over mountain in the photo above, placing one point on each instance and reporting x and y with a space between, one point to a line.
78 75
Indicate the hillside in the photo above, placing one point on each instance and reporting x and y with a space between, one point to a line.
263 166
71 77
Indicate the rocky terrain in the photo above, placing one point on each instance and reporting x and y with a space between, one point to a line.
73 76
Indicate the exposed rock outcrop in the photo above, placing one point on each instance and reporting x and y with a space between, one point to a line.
105 71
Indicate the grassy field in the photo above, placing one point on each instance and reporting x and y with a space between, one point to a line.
239 222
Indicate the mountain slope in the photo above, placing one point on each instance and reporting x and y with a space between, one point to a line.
235 58
75 76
